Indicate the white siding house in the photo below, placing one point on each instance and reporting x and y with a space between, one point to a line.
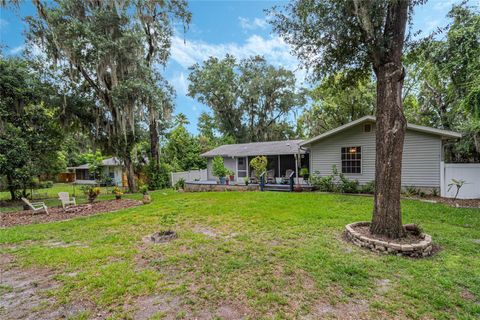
422 153
351 148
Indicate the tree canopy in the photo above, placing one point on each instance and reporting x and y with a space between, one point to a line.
250 99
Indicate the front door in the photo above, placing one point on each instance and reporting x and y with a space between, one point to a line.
241 168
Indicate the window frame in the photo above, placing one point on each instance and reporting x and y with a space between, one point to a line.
361 160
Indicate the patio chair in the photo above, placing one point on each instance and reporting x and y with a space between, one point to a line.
253 177
288 172
66 200
36 207
271 176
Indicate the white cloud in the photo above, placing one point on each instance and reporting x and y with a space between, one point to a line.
17 50
274 49
180 83
256 23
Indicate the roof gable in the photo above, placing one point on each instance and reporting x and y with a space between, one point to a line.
444 134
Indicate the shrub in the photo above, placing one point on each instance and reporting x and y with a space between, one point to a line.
158 176
368 188
218 167
325 184
180 184
117 191
91 191
143 189
259 164
346 185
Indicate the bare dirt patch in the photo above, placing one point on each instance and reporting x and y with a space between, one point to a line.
9 219
26 294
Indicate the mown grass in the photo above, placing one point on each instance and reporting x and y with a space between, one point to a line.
272 255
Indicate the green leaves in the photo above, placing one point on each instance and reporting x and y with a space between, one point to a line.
250 99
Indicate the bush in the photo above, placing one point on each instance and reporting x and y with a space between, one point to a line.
158 176
259 164
143 189
336 182
180 184
368 188
325 184
218 167
44 184
346 185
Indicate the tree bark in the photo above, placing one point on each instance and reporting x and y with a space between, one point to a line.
154 142
132 186
390 133
390 123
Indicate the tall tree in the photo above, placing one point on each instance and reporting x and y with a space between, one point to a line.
337 101
357 36
250 99
110 47
447 85
30 133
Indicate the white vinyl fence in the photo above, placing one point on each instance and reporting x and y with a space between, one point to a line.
192 175
470 172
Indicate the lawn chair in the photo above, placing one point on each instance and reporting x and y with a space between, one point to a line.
285 179
253 177
36 206
271 176
66 200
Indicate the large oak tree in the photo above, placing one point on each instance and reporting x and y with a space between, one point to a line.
111 49
357 36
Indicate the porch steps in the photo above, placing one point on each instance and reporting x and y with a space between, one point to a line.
277 187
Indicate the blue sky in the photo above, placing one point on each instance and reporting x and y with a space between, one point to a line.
217 28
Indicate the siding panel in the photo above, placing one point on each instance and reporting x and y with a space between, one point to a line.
421 156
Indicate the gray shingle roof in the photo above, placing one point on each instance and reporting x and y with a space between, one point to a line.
114 161
256 149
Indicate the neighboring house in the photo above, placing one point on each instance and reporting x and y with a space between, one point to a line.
111 167
351 148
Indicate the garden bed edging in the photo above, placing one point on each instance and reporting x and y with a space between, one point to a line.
423 248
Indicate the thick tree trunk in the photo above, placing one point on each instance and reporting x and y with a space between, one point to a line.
390 133
154 142
132 186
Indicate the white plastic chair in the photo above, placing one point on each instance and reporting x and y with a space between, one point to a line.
36 206
66 200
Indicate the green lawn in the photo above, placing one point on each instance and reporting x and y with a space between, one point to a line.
254 255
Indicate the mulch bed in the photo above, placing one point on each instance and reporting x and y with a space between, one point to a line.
459 203
9 219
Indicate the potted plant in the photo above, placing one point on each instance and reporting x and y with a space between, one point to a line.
219 170
117 192
91 192
146 197
246 180
304 174
259 164
231 175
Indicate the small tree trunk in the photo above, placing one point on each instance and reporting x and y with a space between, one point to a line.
154 142
132 186
390 133
13 195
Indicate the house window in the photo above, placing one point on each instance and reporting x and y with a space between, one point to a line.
351 159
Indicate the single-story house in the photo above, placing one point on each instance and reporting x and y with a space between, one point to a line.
351 148
111 167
